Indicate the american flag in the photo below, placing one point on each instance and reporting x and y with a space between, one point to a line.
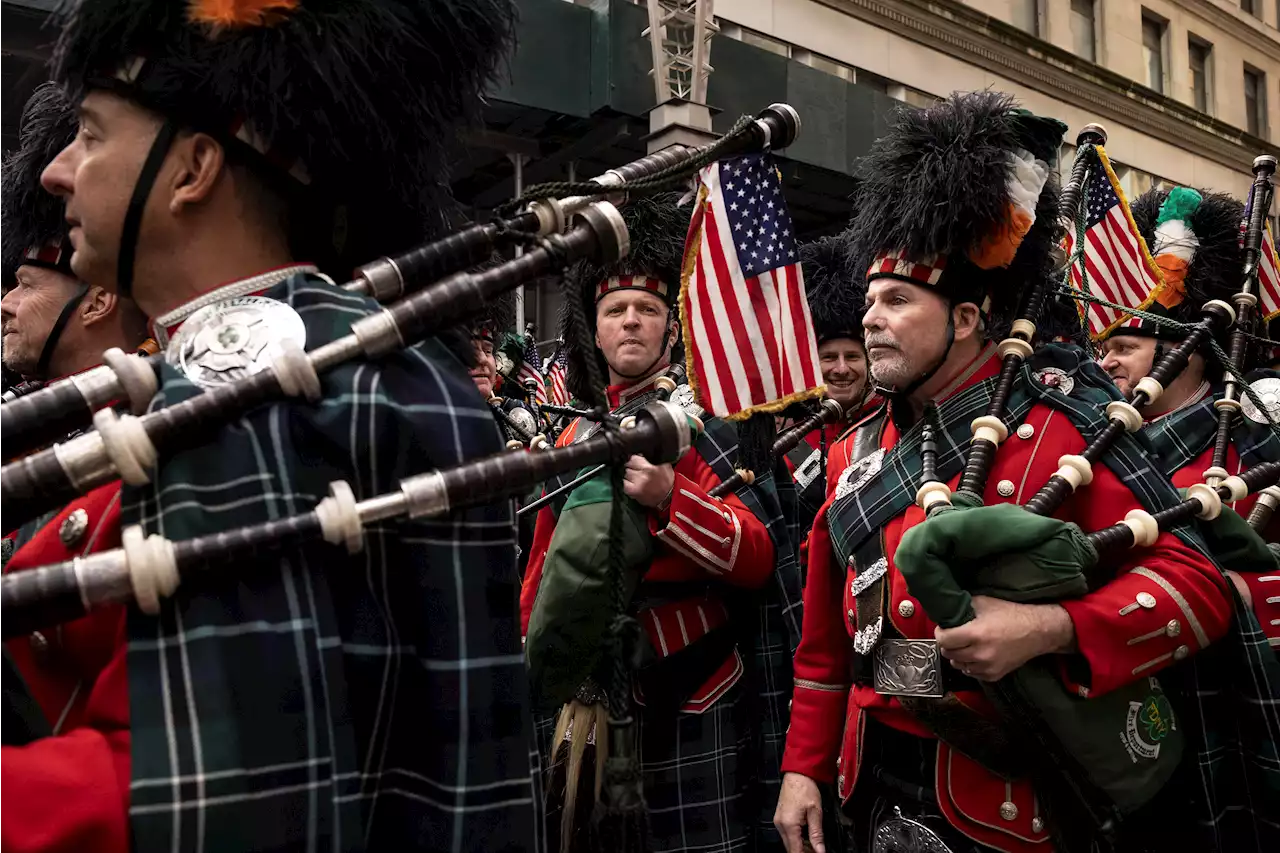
1268 271
751 341
1119 266
557 374
532 369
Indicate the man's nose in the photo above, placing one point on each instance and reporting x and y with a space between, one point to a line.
56 177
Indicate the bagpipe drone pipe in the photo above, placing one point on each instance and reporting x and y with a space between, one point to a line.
1087 784
70 404
126 446
147 569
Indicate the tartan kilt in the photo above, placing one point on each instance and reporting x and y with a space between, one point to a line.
699 779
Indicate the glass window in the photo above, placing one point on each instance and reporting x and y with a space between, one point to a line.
1198 53
830 66
1153 51
1082 29
1026 16
1253 7
1255 101
763 41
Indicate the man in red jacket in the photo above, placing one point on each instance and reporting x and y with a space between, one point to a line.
56 326
949 232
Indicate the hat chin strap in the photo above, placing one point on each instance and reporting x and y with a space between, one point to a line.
138 204
915 384
55 332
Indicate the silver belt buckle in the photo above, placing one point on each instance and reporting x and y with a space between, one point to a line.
901 834
907 668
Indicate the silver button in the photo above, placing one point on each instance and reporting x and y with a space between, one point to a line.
1173 629
1181 652
840 782
853 617
1008 810
1004 488
1026 431
73 528
1083 691
39 646
906 608
1146 600
1037 824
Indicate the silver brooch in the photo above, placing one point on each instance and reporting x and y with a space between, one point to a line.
865 639
233 339
1055 377
859 473
684 397
73 528
1268 393
868 576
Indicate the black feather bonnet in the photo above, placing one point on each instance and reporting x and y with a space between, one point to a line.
348 106
657 227
835 285
935 198
35 231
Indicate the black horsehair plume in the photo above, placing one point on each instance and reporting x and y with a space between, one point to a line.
31 216
835 286
369 95
657 228
937 183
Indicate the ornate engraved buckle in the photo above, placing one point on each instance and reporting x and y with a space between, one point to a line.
907 668
901 834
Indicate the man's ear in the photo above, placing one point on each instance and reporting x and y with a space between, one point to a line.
966 319
96 306
199 160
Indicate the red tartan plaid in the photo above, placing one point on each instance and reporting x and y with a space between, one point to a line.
895 264
620 282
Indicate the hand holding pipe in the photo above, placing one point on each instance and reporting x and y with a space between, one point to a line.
148 569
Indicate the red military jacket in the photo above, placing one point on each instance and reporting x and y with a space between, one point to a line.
700 538
1188 609
1264 587
70 792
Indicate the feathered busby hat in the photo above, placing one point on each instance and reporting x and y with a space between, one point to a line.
961 197
657 227
349 107
499 315
835 285
1194 238
34 230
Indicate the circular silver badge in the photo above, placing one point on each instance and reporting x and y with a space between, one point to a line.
523 418
233 339
1268 393
1055 377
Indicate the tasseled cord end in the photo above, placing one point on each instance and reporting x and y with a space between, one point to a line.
621 817
756 435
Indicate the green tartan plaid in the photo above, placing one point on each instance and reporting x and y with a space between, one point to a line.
1228 694
1179 438
318 700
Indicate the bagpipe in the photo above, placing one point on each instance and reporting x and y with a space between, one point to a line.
829 412
25 424
147 569
127 446
1088 785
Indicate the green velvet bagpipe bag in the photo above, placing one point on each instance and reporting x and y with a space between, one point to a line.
1126 742
571 615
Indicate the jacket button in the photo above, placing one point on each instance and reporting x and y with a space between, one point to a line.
1008 810
853 618
39 647
1004 488
1026 431
73 528
906 608
1181 652
1037 824
1173 629
1145 600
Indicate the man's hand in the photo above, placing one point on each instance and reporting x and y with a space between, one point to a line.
799 804
1004 636
650 485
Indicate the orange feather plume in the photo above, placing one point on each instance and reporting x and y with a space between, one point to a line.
235 14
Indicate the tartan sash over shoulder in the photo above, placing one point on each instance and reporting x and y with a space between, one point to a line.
1179 438
1228 695
317 700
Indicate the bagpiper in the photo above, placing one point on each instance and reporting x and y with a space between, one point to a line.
54 326
1193 237
834 288
958 208
704 573
230 155
514 419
